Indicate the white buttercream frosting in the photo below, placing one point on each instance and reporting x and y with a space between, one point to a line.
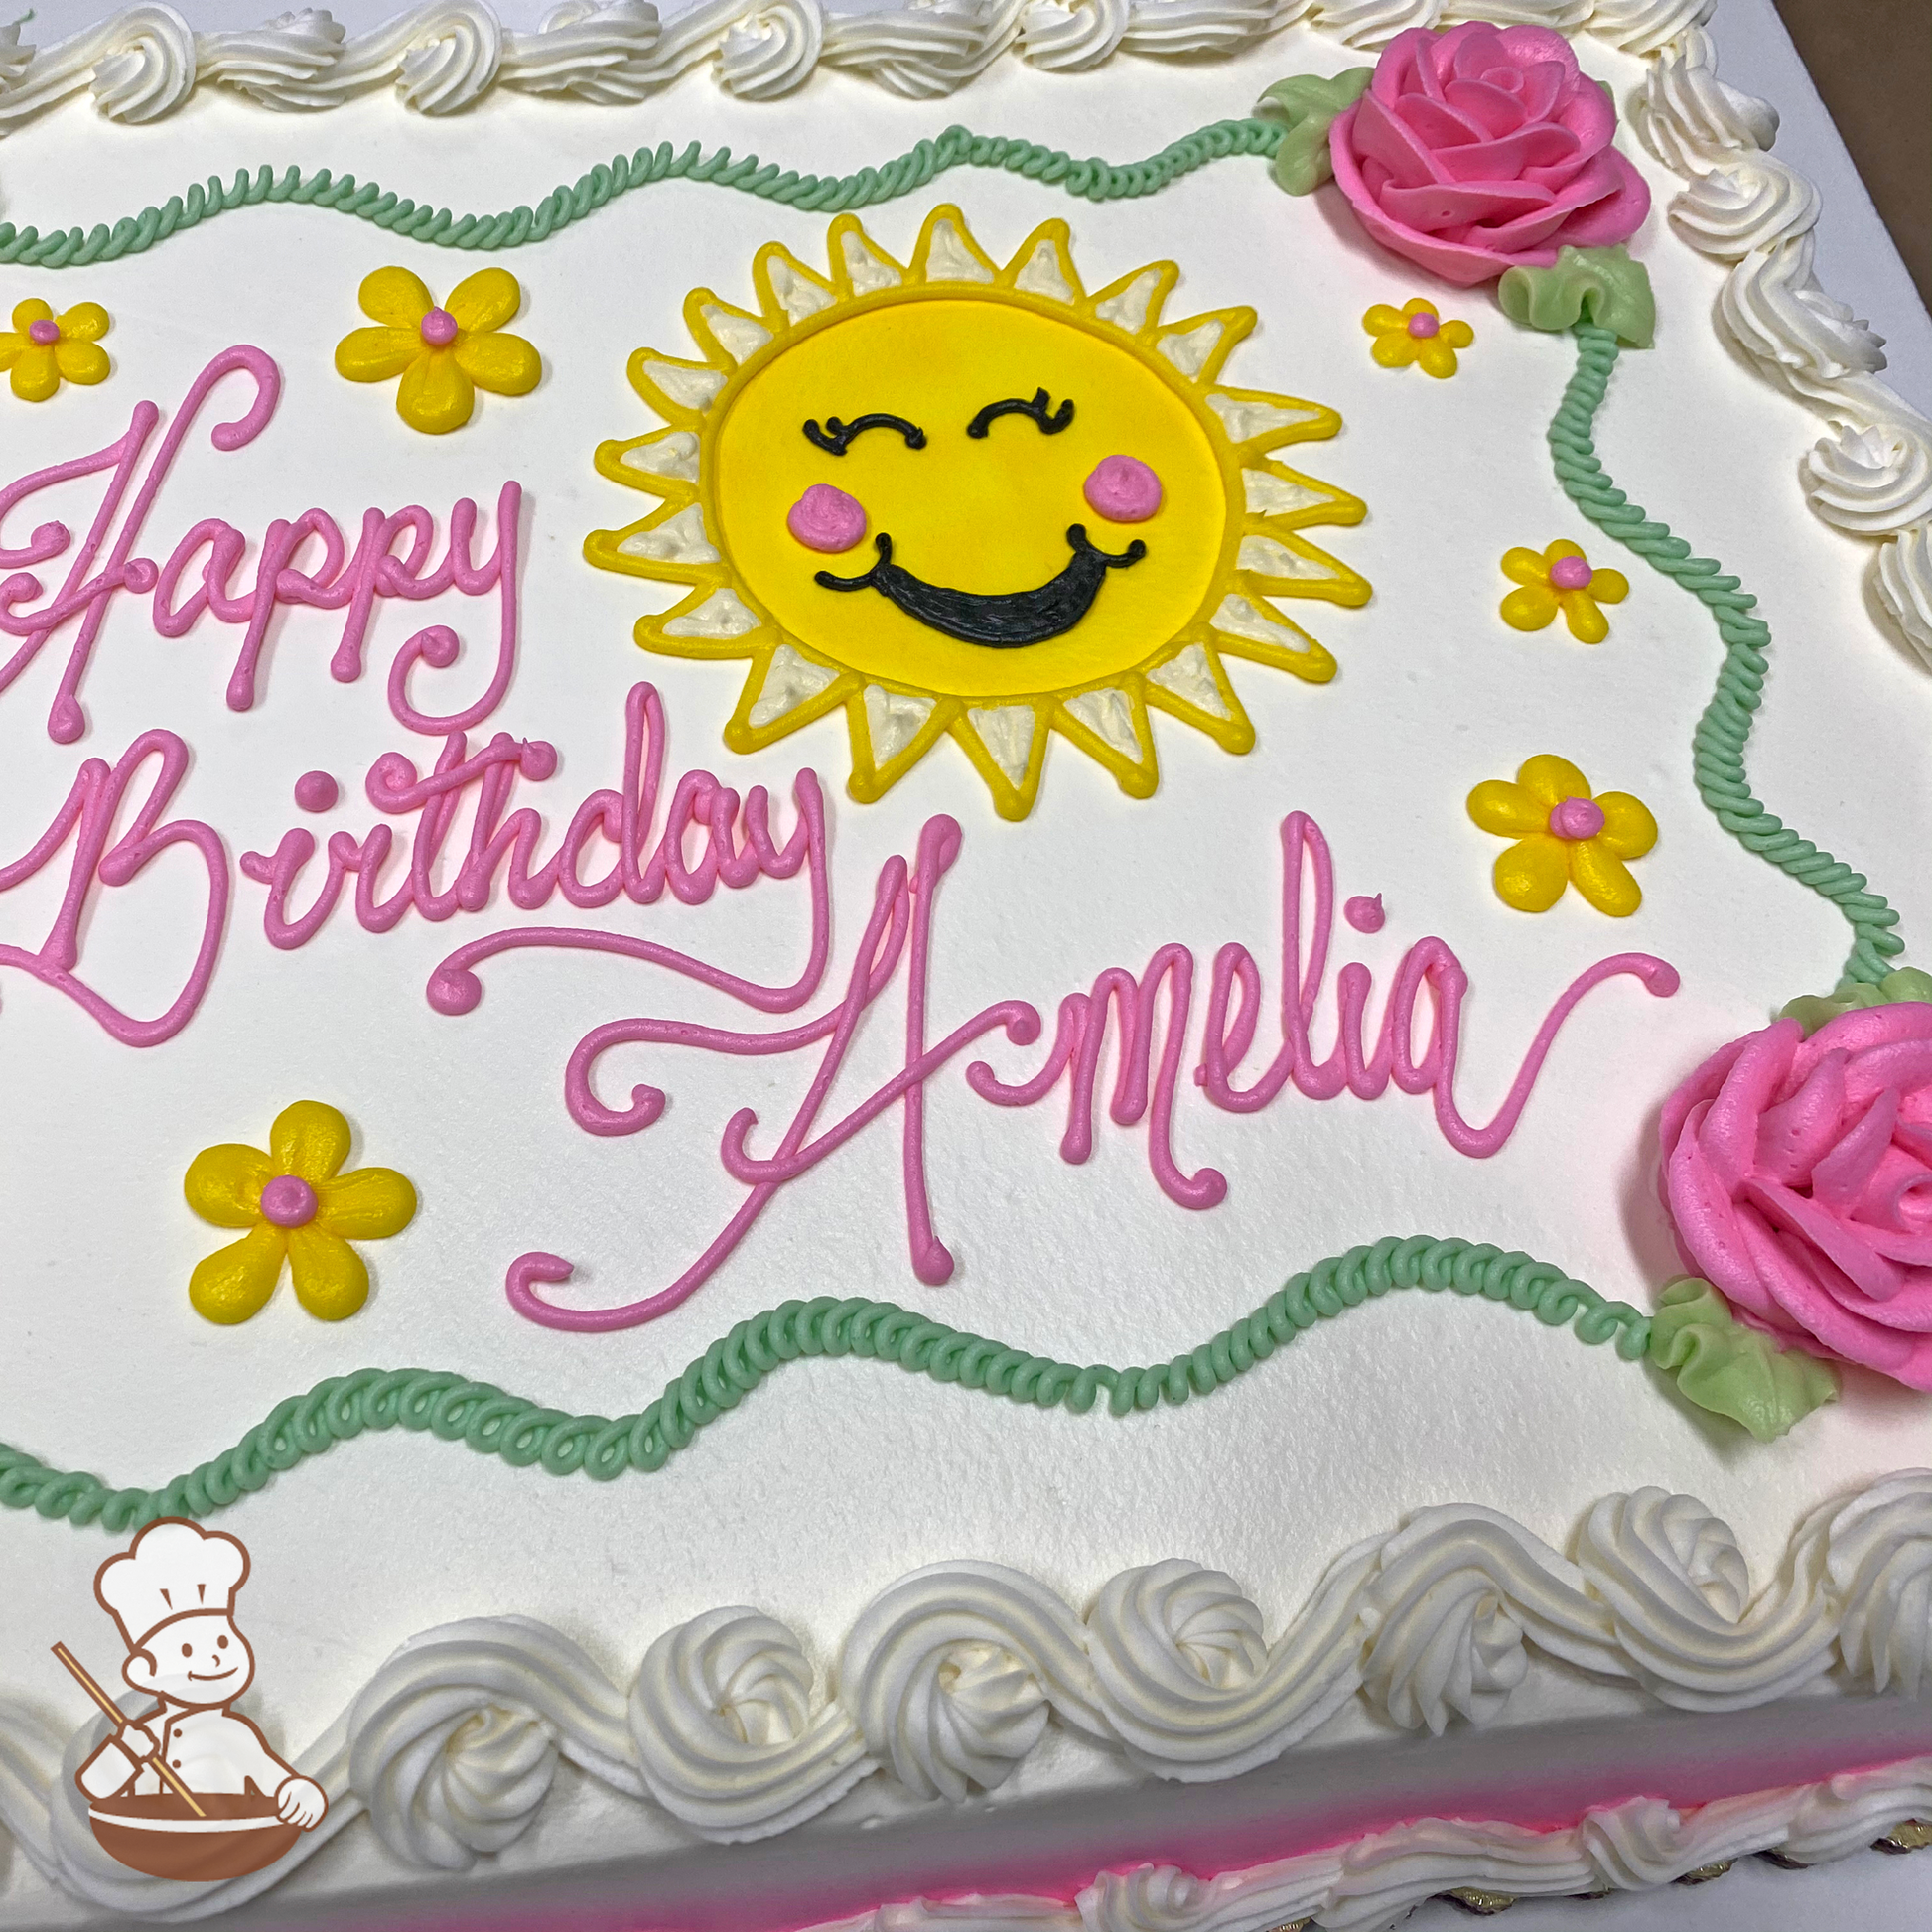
1687 118
1752 201
454 1741
1872 481
1902 578
1878 1557
1680 1599
1646 26
1069 35
953 1672
726 1736
1374 22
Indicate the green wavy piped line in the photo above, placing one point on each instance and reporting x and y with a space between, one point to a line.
1717 745
906 173
522 1432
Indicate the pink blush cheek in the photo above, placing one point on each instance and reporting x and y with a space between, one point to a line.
826 520
1123 490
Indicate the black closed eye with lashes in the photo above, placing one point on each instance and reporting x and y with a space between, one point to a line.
836 437
1038 407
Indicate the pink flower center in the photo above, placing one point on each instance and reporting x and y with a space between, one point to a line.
1575 818
1570 574
289 1201
44 333
1422 326
439 328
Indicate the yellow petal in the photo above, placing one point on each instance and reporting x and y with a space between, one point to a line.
36 374
1610 586
507 365
396 297
82 363
1588 625
329 1278
1395 351
1523 566
310 1140
1436 357
1529 608
32 309
1506 809
1563 547
1628 828
1553 779
1459 334
232 1284
1603 879
1385 321
12 348
223 1184
1417 306
435 396
376 355
367 1205
85 322
1532 873
485 300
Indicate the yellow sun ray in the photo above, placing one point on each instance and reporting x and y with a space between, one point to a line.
865 374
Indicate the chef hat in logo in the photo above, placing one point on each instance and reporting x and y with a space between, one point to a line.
173 1569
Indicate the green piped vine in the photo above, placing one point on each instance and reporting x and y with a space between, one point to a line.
1717 745
524 1434
958 147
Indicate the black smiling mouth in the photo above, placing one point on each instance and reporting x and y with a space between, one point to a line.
997 620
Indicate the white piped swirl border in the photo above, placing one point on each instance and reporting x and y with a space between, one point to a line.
951 1677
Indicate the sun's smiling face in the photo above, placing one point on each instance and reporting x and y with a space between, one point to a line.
959 497
986 513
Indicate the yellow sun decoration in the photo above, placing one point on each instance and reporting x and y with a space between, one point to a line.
956 497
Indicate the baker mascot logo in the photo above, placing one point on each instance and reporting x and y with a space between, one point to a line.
187 1790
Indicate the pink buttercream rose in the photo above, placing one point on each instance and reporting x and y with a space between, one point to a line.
1476 150
1798 1174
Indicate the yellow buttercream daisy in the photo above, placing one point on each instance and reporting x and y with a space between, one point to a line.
444 356
297 1206
1561 580
1415 333
1564 836
45 350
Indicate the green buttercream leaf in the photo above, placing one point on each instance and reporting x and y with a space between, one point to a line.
1305 104
1812 1012
1600 285
1731 1370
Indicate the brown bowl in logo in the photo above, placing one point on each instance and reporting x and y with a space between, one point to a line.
163 1838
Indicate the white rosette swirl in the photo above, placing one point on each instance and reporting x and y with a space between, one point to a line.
1560 16
454 1742
1170 27
770 50
277 64
1689 120
1902 578
1752 201
442 57
925 50
1873 481
1646 26
1454 1594
1878 1557
1374 22
1772 307
953 1672
592 50
1678 1591
1190 1687
727 1742
1071 36
141 64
